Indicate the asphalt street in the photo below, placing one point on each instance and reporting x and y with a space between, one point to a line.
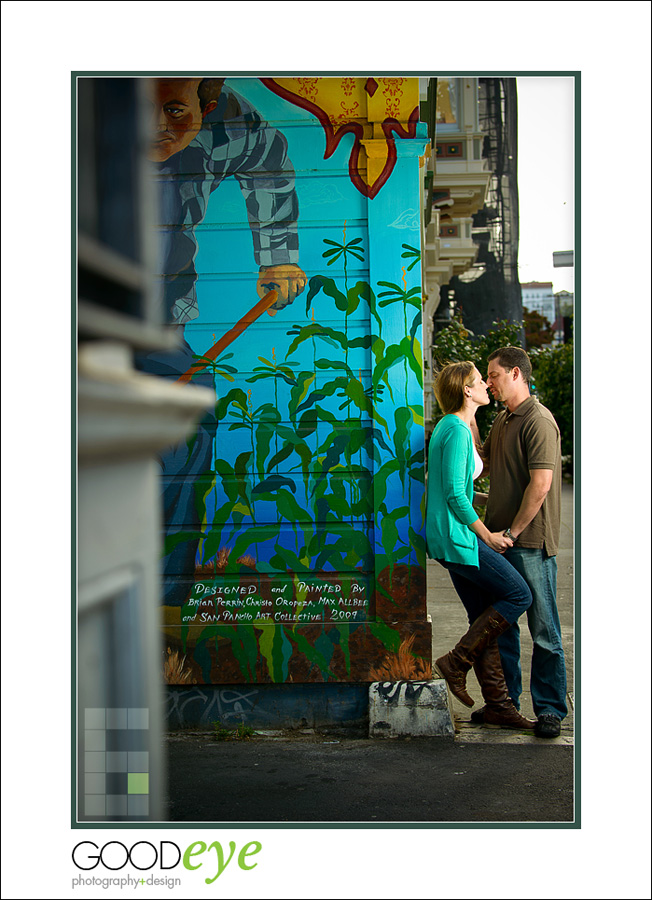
322 778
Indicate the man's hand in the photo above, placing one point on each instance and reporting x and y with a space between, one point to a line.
287 280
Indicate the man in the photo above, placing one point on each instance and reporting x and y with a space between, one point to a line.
523 452
202 133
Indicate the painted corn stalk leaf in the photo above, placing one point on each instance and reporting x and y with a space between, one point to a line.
293 544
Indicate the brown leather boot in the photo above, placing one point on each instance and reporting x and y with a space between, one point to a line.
455 664
499 711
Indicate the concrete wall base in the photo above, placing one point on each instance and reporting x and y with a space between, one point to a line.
267 705
410 708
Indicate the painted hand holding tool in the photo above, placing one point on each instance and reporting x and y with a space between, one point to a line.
262 306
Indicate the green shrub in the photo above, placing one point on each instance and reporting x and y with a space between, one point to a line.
453 344
553 385
456 344
552 371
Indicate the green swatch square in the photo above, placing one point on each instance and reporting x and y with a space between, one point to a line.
138 782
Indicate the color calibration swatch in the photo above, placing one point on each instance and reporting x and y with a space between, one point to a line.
116 763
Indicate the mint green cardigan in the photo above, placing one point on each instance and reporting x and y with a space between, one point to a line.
449 509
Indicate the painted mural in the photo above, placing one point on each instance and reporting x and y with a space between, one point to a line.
290 265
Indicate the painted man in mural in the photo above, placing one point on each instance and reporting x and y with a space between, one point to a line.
203 133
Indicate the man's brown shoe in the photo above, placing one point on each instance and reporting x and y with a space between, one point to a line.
507 718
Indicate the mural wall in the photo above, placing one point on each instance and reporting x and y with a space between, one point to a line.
290 261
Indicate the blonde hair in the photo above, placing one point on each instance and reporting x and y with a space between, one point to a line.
450 383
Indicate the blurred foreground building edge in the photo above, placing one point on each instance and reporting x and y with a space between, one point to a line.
124 419
316 480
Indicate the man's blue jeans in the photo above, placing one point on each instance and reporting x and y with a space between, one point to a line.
548 677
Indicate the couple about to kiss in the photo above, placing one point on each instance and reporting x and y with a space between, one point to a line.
507 565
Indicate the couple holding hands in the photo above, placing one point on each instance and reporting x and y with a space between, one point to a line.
507 565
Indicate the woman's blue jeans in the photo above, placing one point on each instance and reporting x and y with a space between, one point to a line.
548 676
495 583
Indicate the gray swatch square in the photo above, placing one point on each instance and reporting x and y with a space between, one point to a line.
116 804
95 718
138 805
116 718
94 762
138 761
139 718
116 761
94 805
94 783
117 782
95 740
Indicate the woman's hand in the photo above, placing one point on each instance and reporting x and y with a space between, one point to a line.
498 542
494 539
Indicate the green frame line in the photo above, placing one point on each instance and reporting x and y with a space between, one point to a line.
577 485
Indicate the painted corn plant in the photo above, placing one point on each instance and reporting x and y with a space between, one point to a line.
300 505
327 483
293 519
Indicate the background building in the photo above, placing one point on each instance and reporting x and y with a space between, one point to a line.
564 316
538 297
471 215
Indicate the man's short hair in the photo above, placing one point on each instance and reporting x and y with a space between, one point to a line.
508 357
209 89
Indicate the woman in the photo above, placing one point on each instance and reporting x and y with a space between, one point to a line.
492 591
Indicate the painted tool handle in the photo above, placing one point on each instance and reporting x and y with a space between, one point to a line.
268 300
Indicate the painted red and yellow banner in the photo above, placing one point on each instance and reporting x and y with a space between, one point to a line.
374 110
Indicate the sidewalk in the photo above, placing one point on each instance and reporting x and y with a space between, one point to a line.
449 623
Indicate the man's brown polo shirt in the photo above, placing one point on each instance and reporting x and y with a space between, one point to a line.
525 439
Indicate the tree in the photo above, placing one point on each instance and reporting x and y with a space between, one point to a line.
553 385
538 330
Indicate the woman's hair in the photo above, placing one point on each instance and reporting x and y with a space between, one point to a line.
450 383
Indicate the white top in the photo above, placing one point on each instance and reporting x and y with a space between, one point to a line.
479 465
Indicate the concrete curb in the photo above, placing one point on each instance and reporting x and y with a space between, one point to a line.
410 708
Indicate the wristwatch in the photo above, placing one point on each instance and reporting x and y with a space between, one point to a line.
508 534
